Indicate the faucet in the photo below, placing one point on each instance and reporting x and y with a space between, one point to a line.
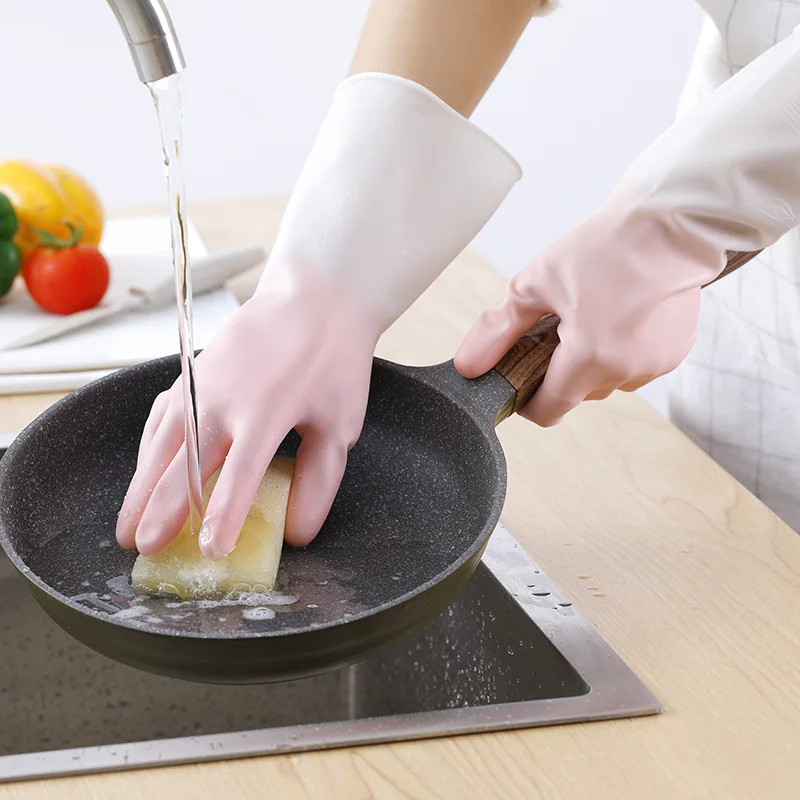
150 36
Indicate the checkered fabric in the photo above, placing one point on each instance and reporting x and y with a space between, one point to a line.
737 395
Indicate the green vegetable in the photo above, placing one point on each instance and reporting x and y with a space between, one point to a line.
8 219
10 259
10 263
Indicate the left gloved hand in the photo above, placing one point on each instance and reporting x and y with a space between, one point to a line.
627 290
626 282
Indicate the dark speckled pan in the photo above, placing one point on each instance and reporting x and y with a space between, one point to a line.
423 491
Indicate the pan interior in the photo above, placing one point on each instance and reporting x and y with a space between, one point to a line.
423 488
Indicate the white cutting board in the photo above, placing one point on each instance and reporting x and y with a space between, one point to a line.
139 252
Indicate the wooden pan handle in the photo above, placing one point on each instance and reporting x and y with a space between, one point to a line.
525 364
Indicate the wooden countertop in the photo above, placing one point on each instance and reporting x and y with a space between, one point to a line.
689 578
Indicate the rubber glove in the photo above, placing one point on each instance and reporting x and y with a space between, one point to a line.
626 282
396 185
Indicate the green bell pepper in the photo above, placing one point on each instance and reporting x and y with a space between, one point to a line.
8 219
10 263
10 259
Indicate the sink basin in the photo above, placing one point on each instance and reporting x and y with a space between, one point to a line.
510 652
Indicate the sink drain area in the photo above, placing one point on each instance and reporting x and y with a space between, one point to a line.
510 652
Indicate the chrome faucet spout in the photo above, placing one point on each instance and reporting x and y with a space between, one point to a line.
150 36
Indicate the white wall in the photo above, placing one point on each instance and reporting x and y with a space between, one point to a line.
585 91
258 83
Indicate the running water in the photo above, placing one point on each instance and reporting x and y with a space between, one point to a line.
166 95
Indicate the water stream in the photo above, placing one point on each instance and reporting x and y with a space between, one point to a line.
166 95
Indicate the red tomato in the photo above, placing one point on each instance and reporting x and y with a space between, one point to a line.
66 280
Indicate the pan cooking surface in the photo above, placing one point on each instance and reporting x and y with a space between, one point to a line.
422 486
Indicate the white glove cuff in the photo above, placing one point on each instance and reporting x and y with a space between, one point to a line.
396 185
728 173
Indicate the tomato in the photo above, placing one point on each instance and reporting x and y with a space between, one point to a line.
66 280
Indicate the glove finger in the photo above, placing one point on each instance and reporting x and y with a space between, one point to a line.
321 462
154 420
601 394
497 329
153 461
241 475
168 508
633 386
566 384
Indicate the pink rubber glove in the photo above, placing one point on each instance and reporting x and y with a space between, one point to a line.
396 185
296 359
626 282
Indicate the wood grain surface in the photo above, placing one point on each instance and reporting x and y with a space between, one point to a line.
692 581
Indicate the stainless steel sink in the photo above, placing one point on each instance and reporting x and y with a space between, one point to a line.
509 653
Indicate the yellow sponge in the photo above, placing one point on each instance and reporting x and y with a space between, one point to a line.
252 566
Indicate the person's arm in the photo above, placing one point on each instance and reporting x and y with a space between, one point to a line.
625 283
414 179
455 48
397 183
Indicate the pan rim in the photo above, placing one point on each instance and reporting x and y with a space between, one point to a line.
421 374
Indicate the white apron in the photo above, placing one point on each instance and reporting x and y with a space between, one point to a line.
737 395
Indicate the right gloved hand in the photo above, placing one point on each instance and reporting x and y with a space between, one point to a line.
626 282
396 185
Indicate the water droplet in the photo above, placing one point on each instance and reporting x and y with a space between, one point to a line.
258 613
133 611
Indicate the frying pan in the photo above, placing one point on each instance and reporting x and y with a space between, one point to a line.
422 493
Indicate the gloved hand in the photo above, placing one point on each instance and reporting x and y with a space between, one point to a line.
626 282
396 185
